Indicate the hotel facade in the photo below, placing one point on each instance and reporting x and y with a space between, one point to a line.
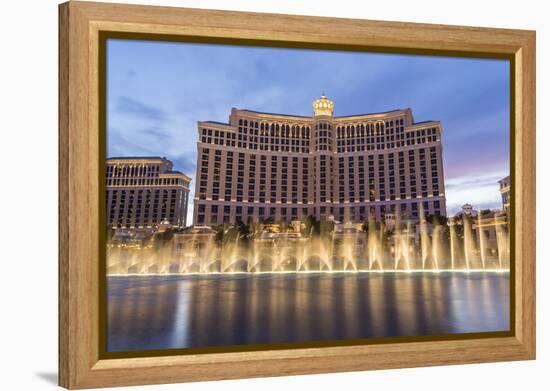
143 192
274 167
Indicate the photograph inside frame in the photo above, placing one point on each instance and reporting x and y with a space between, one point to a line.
260 195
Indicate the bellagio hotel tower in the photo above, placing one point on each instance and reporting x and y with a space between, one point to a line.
279 167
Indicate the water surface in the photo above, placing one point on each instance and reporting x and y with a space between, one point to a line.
166 312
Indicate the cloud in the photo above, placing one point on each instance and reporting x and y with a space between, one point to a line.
136 141
127 105
185 164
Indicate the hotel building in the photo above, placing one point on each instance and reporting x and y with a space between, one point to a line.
280 167
142 192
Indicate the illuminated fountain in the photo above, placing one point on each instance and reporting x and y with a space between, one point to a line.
453 242
436 245
468 241
374 246
402 247
481 242
464 243
425 245
503 243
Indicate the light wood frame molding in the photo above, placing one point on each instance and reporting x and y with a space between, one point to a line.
80 365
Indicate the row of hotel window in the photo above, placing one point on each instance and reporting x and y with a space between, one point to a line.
372 143
148 206
303 130
285 179
233 214
322 143
132 170
144 182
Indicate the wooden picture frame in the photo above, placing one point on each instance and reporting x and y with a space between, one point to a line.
80 149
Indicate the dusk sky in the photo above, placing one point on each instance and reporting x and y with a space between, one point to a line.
156 93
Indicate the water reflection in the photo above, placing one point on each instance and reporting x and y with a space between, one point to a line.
154 312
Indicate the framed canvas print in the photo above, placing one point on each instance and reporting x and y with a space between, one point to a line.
248 195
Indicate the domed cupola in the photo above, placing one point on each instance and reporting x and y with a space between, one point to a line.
323 106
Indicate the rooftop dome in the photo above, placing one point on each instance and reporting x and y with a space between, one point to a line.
323 106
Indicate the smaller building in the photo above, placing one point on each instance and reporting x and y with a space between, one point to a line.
131 239
505 193
142 192
467 210
349 227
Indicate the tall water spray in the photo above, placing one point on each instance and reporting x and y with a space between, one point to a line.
348 248
481 240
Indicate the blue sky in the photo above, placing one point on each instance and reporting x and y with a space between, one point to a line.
157 91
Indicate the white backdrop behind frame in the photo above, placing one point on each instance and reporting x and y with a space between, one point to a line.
29 94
